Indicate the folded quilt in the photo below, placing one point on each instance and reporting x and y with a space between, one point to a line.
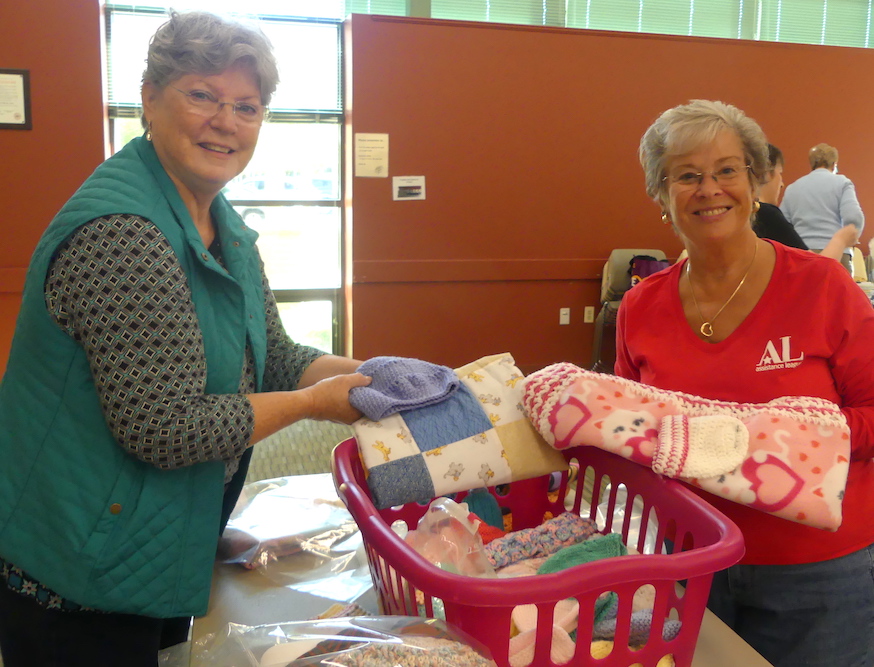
788 457
477 436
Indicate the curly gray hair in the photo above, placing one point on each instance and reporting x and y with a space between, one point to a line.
199 42
684 128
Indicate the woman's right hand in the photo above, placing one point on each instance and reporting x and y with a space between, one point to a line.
323 394
848 235
329 398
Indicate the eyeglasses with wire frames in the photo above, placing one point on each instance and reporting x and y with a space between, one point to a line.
205 104
725 175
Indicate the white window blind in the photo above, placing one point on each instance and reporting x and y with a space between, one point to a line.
833 22
527 12
387 7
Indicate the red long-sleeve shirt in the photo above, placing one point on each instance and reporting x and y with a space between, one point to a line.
811 334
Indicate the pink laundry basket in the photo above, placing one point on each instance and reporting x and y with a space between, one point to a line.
697 539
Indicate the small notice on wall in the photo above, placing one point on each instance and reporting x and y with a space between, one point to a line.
14 99
371 155
408 187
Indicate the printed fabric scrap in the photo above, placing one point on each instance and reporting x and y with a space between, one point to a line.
788 457
477 436
544 540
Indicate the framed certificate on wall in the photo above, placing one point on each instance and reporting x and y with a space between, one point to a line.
15 99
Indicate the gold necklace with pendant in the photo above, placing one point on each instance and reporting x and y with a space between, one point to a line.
707 326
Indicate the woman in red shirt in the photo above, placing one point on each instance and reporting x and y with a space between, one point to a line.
756 320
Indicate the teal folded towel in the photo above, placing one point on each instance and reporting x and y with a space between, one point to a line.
483 504
593 549
584 552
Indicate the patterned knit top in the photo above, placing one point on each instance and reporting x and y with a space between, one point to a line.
117 288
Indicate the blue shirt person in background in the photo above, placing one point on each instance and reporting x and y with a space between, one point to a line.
822 202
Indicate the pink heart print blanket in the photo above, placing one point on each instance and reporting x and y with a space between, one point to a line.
788 457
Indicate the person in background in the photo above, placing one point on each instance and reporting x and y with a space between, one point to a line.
756 320
770 223
822 202
148 359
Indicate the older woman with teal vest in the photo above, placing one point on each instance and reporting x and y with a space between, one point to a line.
148 358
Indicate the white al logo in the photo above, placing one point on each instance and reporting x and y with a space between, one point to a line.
773 359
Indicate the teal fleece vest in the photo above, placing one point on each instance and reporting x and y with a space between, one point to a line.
77 512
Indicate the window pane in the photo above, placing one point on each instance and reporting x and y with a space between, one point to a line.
309 69
671 17
577 14
300 245
800 21
838 22
307 53
129 36
767 21
329 9
309 8
389 7
498 11
847 23
293 161
309 323
463 10
605 15
123 130
716 18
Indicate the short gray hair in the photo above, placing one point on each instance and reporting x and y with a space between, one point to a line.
199 42
688 126
822 155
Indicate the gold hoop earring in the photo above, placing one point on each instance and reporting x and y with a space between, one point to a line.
149 132
756 206
665 219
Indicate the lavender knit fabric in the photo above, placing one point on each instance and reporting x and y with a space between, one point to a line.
399 384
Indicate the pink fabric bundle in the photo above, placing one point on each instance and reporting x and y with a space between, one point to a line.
789 457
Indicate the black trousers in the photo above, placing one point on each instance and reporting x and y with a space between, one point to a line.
34 636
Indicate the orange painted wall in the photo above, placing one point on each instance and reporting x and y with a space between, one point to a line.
59 42
528 141
527 138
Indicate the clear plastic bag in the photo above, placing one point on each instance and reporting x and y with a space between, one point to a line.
377 641
634 524
296 532
278 517
447 536
175 656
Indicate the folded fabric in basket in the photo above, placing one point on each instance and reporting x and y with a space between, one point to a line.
544 540
795 456
478 436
